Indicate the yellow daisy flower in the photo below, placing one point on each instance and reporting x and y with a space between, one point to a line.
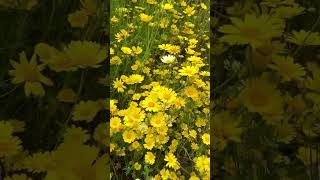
30 73
252 30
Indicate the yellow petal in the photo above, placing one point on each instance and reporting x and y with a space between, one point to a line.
27 88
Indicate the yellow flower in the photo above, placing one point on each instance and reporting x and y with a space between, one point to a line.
78 19
111 51
252 30
149 142
167 95
133 116
285 132
194 178
115 124
86 111
195 59
90 6
75 135
167 6
189 11
114 19
136 97
9 145
165 174
287 11
134 79
194 146
129 136
193 133
206 138
45 52
158 120
119 85
135 145
137 166
145 17
66 95
100 133
304 38
152 1
115 60
191 92
164 22
189 71
151 103
179 103
113 106
126 50
171 160
123 34
225 129
30 73
85 54
60 61
137 50
202 164
173 49
203 6
261 96
288 69
150 158
17 126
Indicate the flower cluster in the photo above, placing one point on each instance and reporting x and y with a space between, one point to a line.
53 91
159 66
266 90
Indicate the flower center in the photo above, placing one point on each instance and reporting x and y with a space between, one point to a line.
151 104
31 74
249 32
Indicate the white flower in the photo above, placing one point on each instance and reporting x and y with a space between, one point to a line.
168 59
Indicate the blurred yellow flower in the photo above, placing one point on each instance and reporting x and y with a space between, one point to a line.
137 50
261 96
30 73
304 38
85 111
66 95
287 68
167 6
85 54
126 50
150 158
189 11
137 166
9 144
145 17
253 30
78 19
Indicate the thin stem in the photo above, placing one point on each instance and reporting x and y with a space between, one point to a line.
185 170
82 80
9 92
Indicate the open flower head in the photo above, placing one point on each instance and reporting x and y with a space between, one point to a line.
30 74
253 30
